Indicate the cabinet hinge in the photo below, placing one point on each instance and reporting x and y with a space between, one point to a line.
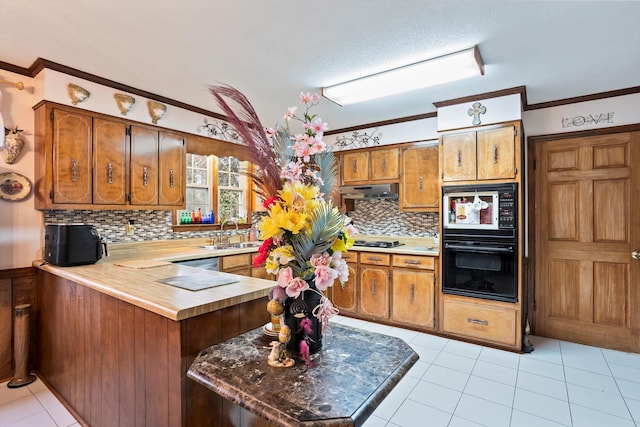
51 194
535 305
128 197
515 132
534 164
51 116
127 131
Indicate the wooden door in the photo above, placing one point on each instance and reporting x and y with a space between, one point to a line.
587 226
109 160
355 167
144 166
374 292
459 156
496 153
420 189
344 296
72 159
384 164
413 297
171 170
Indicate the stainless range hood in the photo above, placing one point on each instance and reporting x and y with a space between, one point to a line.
376 191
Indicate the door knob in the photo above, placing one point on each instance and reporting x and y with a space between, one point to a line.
635 255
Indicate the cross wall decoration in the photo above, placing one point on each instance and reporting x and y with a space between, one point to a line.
475 111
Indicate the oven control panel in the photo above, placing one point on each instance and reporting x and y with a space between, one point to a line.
507 209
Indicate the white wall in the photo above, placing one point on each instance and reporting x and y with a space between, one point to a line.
21 225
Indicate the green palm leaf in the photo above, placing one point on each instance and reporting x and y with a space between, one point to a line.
328 167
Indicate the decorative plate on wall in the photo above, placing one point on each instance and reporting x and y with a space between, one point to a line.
14 187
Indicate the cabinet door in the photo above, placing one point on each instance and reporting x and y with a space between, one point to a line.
144 166
413 297
374 292
72 136
355 167
496 153
109 162
420 186
345 298
172 164
384 164
459 157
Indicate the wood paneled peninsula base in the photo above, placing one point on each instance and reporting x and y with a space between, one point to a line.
354 372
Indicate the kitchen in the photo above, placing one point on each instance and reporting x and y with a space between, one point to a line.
23 225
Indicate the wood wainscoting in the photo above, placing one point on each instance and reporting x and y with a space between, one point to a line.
115 364
17 286
587 224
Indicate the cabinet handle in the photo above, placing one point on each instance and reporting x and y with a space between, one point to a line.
374 258
355 166
384 165
171 179
495 153
459 156
412 292
110 173
145 176
478 321
421 181
412 262
74 170
373 286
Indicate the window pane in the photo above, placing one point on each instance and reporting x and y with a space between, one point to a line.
198 198
200 177
200 162
223 163
223 179
234 180
235 164
229 204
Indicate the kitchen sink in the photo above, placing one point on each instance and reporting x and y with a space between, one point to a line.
240 245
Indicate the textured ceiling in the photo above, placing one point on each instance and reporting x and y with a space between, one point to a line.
272 50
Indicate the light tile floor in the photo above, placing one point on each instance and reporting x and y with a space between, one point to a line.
457 384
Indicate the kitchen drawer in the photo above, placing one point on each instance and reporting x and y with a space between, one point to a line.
482 322
374 258
350 256
411 261
233 261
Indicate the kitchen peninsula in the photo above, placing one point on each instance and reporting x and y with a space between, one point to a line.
115 343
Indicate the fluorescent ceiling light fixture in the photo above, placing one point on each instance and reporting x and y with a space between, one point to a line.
435 71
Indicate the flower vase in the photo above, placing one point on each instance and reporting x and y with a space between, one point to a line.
296 309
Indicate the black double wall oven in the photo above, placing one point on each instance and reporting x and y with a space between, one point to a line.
480 241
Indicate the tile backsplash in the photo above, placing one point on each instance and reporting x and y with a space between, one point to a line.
380 217
383 217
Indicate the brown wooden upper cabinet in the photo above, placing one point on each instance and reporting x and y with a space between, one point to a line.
485 154
362 166
420 185
86 160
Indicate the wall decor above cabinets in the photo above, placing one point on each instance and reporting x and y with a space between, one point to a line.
359 140
124 102
157 111
77 94
475 111
221 130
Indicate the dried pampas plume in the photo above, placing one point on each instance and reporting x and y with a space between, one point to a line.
241 115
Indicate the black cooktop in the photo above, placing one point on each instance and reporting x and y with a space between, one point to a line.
377 243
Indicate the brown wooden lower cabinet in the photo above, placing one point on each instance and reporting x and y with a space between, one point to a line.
116 364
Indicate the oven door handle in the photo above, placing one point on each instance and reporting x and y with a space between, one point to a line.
480 249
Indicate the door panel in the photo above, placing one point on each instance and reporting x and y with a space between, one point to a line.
587 287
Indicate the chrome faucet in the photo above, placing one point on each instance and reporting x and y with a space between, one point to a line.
233 221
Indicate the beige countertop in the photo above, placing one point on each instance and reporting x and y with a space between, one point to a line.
141 286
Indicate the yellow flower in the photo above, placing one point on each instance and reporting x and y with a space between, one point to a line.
339 246
271 266
283 255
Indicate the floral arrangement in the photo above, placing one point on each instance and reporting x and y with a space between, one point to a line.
303 235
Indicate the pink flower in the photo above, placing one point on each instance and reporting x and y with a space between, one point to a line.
351 230
342 269
318 126
306 98
285 276
291 113
325 277
317 144
278 294
318 260
296 286
271 132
